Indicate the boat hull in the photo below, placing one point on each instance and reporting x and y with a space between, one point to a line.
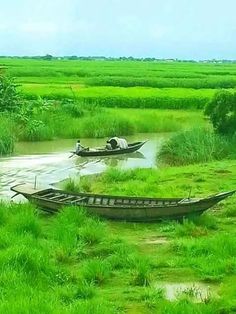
140 214
126 208
96 153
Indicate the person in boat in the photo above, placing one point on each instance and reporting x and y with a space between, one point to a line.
79 147
116 142
108 145
123 143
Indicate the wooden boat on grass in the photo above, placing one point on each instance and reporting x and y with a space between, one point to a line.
120 207
133 147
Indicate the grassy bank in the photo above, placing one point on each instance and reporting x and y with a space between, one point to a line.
205 178
113 267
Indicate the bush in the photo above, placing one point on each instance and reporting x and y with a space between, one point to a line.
36 130
222 112
9 96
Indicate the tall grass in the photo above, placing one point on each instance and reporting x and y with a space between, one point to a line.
57 123
96 271
196 145
212 257
7 139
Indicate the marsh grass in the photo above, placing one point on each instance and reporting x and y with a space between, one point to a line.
121 256
195 146
213 257
25 221
96 306
184 305
196 226
93 232
141 272
56 122
7 138
188 228
205 179
72 186
152 296
64 231
85 291
96 271
230 209
37 130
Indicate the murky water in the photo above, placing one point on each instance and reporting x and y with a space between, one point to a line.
49 162
197 291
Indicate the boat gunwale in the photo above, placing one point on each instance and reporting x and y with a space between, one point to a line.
214 198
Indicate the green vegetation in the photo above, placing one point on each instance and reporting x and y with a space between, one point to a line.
74 263
6 136
195 146
134 97
43 120
77 93
205 178
175 85
222 112
9 96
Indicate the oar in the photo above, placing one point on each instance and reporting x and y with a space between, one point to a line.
15 195
73 154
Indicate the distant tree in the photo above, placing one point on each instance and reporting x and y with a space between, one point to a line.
222 112
72 58
47 57
9 96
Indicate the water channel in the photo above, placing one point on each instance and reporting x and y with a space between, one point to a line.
49 162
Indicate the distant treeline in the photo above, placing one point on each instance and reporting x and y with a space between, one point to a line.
130 58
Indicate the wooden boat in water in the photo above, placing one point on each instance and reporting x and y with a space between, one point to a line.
120 207
133 147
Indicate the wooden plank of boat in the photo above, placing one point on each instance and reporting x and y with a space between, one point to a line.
121 207
133 147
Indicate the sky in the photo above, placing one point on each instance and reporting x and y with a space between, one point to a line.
183 29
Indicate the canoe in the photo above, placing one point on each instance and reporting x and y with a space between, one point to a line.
133 147
120 207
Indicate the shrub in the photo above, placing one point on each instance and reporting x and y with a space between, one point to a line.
9 96
222 112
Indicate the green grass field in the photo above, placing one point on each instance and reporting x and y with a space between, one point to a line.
174 85
74 263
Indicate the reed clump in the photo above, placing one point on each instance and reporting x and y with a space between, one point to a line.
195 146
7 138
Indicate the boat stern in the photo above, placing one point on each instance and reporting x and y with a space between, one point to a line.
25 189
